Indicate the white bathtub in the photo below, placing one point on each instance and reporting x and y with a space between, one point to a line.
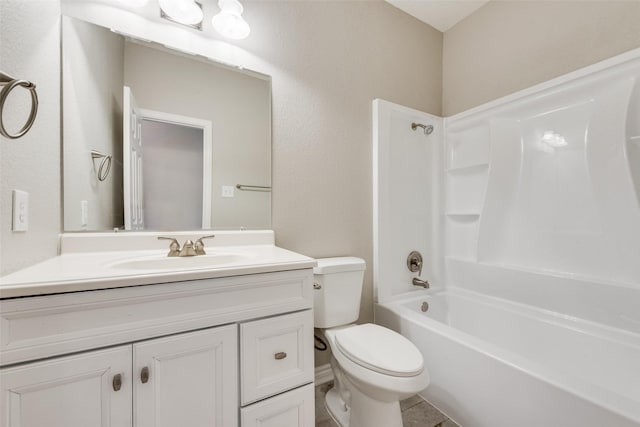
497 363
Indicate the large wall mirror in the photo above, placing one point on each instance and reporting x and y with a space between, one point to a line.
154 139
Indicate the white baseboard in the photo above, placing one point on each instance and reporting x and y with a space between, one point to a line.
323 374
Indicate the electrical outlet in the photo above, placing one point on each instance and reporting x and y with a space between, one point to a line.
20 210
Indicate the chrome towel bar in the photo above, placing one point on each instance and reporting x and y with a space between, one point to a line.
253 188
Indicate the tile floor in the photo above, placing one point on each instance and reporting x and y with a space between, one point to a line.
415 412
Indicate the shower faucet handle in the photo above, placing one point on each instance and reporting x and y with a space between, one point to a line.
414 262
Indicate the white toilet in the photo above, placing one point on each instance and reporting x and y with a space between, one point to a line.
373 367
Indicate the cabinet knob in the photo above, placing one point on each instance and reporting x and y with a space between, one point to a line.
117 382
280 355
144 375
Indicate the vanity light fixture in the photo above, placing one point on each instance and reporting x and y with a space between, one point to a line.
229 22
186 12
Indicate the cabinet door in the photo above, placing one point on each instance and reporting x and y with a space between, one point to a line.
77 390
294 408
189 379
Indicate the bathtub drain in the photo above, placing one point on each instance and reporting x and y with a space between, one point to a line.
425 306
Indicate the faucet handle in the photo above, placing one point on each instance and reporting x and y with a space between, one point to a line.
174 246
199 245
414 262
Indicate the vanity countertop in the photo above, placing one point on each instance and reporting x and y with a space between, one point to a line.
91 270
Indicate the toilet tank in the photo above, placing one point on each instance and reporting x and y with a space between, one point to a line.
337 291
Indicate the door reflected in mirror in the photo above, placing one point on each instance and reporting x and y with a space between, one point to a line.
200 130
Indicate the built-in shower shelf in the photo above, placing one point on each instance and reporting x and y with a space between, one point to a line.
469 169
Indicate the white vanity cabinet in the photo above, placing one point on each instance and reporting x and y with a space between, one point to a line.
74 390
195 353
187 379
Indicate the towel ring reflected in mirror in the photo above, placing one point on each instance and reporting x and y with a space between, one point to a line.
8 83
105 164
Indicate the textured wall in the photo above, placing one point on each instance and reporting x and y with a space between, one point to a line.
509 45
30 49
329 61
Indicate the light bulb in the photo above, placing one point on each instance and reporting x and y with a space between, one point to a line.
229 22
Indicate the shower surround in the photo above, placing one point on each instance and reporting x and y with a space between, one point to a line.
528 211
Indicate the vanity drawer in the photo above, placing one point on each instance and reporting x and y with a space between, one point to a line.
295 408
276 355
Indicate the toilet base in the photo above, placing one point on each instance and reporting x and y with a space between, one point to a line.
337 408
369 412
363 411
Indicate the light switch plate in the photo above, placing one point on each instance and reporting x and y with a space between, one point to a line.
227 191
84 213
20 210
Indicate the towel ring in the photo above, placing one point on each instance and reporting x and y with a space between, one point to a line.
9 83
106 162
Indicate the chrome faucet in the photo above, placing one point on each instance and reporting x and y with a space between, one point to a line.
419 282
188 248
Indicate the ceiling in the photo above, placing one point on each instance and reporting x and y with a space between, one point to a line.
440 14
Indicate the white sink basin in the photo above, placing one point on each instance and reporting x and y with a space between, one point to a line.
179 263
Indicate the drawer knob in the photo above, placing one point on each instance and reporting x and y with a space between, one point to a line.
144 375
117 382
280 355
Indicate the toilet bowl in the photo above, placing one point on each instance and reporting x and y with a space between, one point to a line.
373 367
376 369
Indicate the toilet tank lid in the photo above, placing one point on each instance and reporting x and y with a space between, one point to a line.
338 265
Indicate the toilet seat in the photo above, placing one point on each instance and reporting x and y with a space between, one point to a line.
380 349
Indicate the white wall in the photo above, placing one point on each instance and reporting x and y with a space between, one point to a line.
328 61
506 46
30 49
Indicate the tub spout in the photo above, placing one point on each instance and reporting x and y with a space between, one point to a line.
417 282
